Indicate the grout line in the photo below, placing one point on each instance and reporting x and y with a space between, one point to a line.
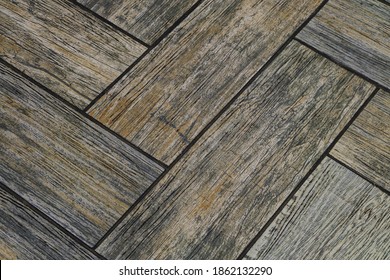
87 10
383 87
150 48
204 130
78 110
83 112
280 208
106 21
49 219
176 23
251 80
135 204
359 174
113 83
308 174
167 168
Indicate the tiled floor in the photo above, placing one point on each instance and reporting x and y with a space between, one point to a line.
195 129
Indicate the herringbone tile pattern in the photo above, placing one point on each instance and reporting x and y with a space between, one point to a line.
194 129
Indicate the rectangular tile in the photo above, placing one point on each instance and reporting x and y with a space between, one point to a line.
355 33
182 84
213 201
145 19
68 167
24 234
335 215
64 48
365 146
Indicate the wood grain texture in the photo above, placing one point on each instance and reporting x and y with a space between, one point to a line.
24 234
145 19
177 89
64 48
365 146
335 215
213 201
71 169
356 34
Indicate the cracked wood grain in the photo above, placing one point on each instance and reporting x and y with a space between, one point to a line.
211 204
335 215
145 19
26 235
356 34
68 167
64 48
164 102
365 146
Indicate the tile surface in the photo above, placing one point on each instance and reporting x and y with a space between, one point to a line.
65 165
147 19
366 144
211 203
26 235
194 129
356 34
180 86
50 40
335 215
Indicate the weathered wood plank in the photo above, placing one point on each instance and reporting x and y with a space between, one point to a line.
213 201
26 235
64 48
71 169
145 19
356 34
177 89
365 146
335 215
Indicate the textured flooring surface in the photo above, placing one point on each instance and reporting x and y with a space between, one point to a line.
235 129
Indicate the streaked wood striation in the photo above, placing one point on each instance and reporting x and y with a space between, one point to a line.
26 235
213 201
365 146
68 167
356 34
335 215
163 103
64 48
145 19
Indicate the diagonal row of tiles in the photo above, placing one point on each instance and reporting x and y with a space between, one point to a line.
217 197
64 48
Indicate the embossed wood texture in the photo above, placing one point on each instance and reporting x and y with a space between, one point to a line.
180 86
65 165
26 235
213 201
335 215
355 33
365 146
64 48
145 19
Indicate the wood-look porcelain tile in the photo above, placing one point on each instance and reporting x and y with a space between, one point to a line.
164 102
67 166
356 34
145 19
215 198
335 215
64 48
365 146
26 235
